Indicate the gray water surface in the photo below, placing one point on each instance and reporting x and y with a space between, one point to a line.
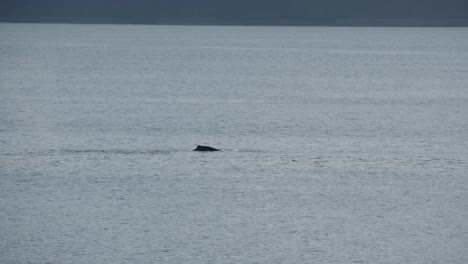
341 145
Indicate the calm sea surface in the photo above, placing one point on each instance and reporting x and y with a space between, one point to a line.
341 145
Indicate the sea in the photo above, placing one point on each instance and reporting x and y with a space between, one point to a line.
339 144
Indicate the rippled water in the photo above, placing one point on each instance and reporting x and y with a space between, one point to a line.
341 145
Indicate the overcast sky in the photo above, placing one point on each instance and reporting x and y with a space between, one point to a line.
231 11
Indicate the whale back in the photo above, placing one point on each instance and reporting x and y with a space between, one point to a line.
205 148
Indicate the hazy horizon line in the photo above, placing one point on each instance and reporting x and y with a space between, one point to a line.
252 22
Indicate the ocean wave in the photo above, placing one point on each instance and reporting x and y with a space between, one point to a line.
91 151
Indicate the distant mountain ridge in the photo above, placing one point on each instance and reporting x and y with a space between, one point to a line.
242 12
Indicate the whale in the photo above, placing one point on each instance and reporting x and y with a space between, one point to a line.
205 148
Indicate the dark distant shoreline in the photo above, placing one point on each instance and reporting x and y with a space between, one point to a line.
214 22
